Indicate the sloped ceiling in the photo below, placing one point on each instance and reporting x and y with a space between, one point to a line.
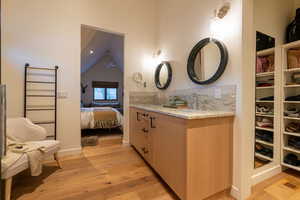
100 42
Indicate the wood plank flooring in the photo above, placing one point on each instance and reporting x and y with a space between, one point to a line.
109 171
112 171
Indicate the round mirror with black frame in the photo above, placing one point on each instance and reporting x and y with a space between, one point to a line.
207 61
163 75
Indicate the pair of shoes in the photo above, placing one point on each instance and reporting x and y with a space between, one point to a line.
291 159
264 110
292 112
294 141
266 136
293 127
293 98
264 122
270 98
263 150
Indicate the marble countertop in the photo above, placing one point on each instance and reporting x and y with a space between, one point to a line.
183 113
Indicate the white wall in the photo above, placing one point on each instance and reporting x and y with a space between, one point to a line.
181 25
47 33
100 72
272 17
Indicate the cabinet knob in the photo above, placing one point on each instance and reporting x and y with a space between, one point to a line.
145 150
145 130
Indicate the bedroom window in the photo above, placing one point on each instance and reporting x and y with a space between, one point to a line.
105 91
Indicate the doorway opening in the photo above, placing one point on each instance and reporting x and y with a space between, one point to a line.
102 85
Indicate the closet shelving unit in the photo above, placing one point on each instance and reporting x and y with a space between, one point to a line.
260 92
40 97
289 90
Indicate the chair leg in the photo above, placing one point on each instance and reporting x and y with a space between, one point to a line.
8 183
57 160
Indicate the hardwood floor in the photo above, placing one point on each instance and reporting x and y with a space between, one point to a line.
112 171
284 186
109 171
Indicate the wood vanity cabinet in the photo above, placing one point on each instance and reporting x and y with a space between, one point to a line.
194 157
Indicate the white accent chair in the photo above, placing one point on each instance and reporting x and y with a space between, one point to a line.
23 130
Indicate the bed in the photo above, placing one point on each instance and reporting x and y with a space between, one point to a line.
100 118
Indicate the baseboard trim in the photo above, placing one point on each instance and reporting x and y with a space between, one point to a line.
125 141
268 173
70 151
235 192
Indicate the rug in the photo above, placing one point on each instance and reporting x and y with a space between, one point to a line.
89 141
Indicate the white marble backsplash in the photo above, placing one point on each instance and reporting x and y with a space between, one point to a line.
206 99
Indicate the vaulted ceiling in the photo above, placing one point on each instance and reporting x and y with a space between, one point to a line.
96 45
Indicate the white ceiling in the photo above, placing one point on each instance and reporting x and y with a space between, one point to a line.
100 42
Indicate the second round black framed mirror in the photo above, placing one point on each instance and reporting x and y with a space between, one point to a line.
163 75
207 61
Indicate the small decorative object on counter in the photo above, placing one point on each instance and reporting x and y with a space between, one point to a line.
176 102
293 30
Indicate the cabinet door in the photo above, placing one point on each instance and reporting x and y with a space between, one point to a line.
139 131
136 123
169 151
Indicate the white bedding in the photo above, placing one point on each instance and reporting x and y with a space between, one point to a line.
87 116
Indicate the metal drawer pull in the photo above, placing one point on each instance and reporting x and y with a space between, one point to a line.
151 122
137 116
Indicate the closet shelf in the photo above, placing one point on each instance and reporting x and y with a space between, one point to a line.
263 115
291 86
265 74
263 142
266 52
291 166
292 70
293 118
268 87
292 102
263 157
291 149
292 134
260 101
291 45
264 129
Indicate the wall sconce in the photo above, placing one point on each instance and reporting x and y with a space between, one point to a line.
222 12
216 22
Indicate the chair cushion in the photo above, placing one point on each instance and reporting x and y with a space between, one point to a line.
51 146
23 130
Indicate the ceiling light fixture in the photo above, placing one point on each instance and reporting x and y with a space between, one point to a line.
91 52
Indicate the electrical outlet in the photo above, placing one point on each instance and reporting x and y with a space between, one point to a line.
218 93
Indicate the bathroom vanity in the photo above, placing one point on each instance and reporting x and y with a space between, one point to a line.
191 150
